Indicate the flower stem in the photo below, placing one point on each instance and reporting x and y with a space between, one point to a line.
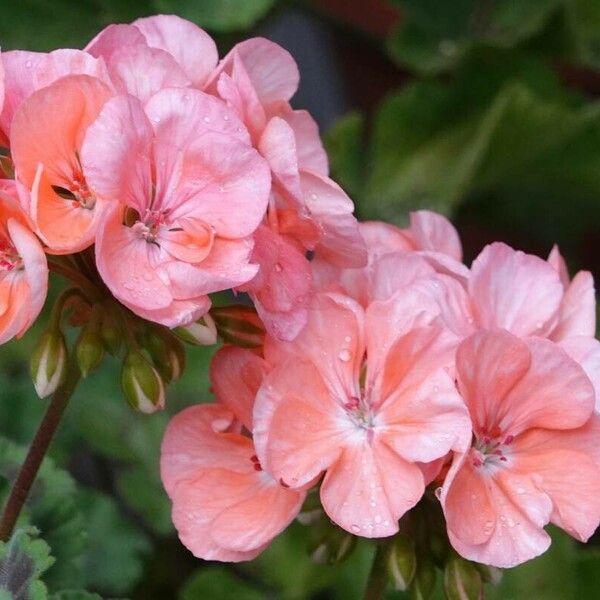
75 277
37 451
378 579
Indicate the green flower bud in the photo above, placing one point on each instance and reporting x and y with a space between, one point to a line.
423 582
111 333
239 325
142 386
48 362
167 352
201 333
335 546
89 351
462 580
401 561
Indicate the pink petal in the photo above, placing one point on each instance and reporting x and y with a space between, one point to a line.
586 352
113 38
116 153
341 243
191 241
560 266
193 442
236 375
577 315
433 232
369 488
421 415
297 432
65 61
271 69
179 116
142 71
192 47
513 290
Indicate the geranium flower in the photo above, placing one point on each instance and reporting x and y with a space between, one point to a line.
532 460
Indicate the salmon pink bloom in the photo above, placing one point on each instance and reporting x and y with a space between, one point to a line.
47 135
23 268
365 397
187 190
192 51
225 505
26 72
532 460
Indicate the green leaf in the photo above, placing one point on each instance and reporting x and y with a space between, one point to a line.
583 21
53 509
218 583
74 595
218 15
23 559
345 146
116 554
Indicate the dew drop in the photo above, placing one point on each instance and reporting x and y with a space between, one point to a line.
206 119
344 355
148 276
347 339
377 518
520 490
278 267
186 97
511 523
226 118
220 424
313 196
28 64
373 503
386 523
355 528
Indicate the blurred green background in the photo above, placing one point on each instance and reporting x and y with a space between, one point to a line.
485 110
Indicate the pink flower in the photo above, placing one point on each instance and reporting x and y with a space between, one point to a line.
23 268
396 258
158 44
365 398
48 133
307 210
532 460
25 72
187 190
225 505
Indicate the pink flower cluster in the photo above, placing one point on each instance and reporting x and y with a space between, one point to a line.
188 175
413 371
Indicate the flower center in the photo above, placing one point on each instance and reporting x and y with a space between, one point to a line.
149 226
9 257
78 193
490 448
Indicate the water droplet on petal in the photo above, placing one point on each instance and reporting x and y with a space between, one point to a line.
377 518
278 267
347 339
206 119
344 355
520 490
355 528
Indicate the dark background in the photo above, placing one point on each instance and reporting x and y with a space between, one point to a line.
484 110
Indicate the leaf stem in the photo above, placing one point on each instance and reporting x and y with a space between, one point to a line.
77 278
378 578
37 451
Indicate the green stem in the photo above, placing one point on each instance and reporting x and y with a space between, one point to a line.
77 278
37 452
378 578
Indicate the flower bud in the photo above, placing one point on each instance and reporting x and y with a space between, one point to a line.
333 547
401 561
167 352
239 325
311 510
201 333
423 581
462 580
142 386
489 574
48 362
111 334
89 351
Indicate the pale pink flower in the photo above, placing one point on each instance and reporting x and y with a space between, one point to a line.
366 398
25 72
193 53
187 190
48 132
307 210
23 267
225 505
532 460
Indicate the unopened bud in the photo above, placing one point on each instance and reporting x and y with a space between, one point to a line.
333 548
48 363
423 583
111 334
402 561
462 580
89 351
239 325
167 352
142 386
201 333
